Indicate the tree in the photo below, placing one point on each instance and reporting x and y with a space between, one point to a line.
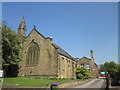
0 51
119 67
102 68
10 49
111 68
0 46
82 73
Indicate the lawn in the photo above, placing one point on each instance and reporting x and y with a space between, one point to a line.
31 82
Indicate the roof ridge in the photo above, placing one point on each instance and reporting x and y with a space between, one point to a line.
86 57
63 52
37 32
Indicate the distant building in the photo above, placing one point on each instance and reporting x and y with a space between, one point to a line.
41 57
96 71
89 64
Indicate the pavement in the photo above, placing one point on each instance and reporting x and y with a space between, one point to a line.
1 80
95 83
114 87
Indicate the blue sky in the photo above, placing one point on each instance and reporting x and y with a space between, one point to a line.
76 27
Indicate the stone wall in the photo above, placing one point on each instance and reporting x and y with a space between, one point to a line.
50 62
47 62
67 67
72 83
96 71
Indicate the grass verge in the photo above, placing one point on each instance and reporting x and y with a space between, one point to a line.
30 82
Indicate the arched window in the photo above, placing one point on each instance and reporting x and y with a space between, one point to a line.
32 55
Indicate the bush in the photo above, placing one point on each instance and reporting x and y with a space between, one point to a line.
82 73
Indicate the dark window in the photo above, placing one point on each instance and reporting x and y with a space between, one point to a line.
32 54
63 58
81 65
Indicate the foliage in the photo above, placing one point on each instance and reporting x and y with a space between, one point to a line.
11 51
82 73
0 46
111 68
118 67
102 68
10 46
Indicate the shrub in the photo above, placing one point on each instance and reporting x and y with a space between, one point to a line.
82 73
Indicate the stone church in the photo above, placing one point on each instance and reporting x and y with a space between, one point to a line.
42 57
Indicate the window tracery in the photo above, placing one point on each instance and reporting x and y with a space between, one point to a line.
32 54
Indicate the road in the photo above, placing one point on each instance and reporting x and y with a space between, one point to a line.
95 83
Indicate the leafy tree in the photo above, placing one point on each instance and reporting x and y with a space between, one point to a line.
11 49
82 73
0 55
111 68
118 67
0 50
102 68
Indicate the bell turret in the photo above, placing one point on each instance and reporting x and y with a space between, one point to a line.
22 28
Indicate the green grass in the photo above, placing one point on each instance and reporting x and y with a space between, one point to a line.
32 82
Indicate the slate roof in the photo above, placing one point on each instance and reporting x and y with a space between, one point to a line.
63 52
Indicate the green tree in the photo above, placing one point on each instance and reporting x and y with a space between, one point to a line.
11 47
0 54
82 73
102 68
111 68
118 67
0 48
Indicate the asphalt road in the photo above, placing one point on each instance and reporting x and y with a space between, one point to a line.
95 83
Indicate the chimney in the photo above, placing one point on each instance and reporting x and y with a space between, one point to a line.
91 53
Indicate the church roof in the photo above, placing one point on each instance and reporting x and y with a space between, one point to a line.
60 50
34 29
63 52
